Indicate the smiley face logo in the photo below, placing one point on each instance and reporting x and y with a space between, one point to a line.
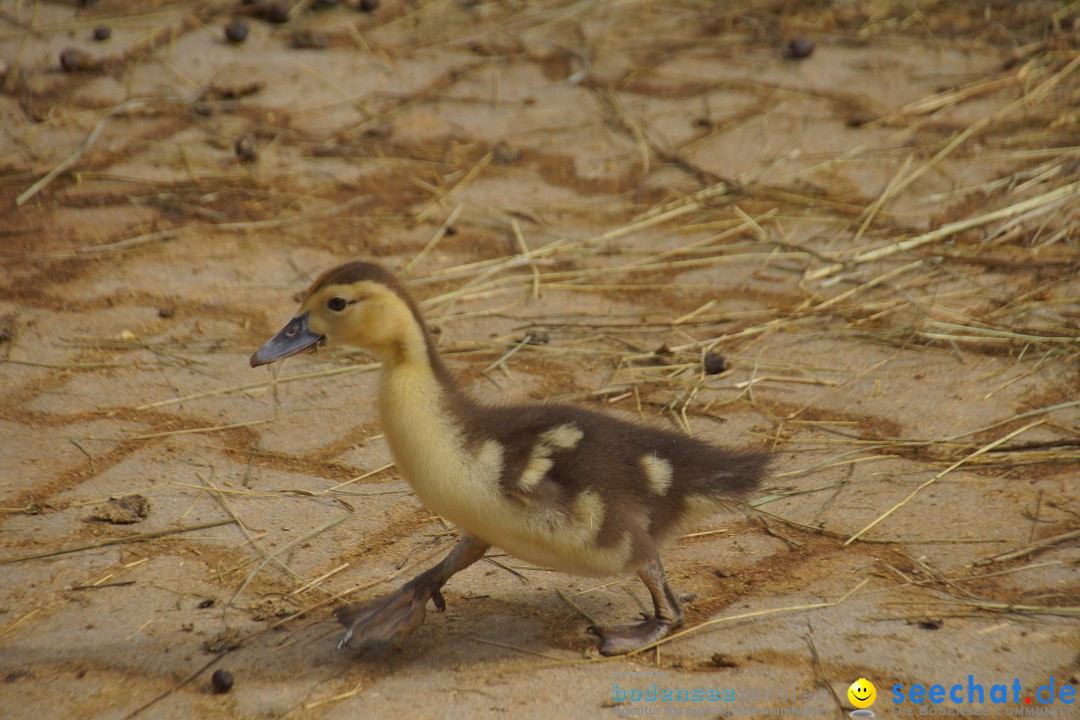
862 693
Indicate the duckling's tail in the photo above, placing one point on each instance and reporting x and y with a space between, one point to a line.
736 476
720 479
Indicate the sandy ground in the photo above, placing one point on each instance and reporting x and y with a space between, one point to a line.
880 239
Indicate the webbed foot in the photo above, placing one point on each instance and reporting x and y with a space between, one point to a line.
387 619
667 616
391 618
623 639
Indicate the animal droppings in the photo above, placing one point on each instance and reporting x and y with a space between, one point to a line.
236 31
714 363
800 48
75 60
222 681
276 12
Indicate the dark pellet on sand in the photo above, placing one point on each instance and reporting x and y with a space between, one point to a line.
74 60
714 363
236 31
800 48
276 12
102 33
222 681
367 5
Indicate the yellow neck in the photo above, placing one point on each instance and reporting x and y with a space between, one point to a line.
415 408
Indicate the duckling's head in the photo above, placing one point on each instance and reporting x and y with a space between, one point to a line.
360 304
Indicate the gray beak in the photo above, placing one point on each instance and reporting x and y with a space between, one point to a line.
293 338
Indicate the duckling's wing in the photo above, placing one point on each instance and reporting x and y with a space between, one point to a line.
644 479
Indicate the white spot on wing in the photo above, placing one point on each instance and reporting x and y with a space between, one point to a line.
561 437
534 472
589 510
658 473
564 436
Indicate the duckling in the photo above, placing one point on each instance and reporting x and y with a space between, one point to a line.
556 485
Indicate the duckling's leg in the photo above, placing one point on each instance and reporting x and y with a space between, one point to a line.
394 617
667 615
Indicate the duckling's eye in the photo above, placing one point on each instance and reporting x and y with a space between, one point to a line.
336 304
